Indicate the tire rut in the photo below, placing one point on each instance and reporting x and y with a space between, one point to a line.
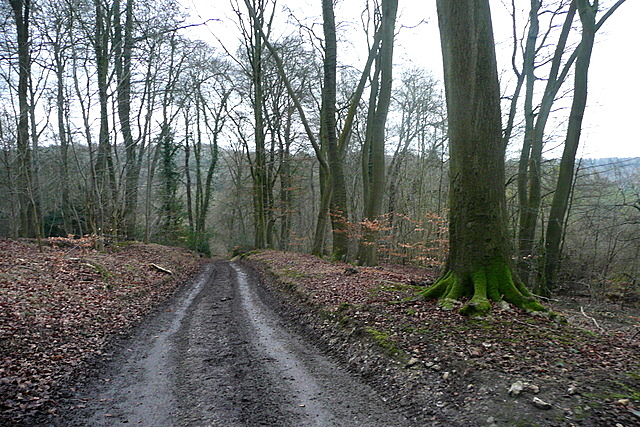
218 355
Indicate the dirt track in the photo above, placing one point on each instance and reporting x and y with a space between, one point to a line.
219 356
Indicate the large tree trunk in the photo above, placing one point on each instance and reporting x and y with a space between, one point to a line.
479 260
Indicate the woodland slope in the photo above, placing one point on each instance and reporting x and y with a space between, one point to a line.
61 308
508 368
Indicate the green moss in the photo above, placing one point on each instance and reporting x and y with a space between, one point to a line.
490 281
345 306
390 286
100 269
384 340
288 272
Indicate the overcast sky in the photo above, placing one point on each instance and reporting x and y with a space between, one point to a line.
610 126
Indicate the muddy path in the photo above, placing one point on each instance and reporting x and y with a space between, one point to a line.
218 355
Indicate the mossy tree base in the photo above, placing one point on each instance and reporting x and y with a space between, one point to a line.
492 281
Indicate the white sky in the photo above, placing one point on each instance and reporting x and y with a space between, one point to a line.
609 127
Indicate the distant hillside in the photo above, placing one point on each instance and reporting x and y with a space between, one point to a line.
613 167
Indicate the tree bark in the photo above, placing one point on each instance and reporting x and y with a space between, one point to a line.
560 201
479 260
373 156
27 228
529 172
123 45
338 209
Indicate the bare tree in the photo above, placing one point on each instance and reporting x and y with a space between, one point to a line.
560 203
25 179
373 152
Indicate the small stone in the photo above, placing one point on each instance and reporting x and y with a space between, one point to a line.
572 390
491 421
475 352
623 402
532 388
446 376
541 404
412 362
470 387
503 305
436 367
516 388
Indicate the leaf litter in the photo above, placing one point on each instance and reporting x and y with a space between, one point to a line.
585 372
59 308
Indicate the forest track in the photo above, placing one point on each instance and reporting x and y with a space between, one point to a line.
218 355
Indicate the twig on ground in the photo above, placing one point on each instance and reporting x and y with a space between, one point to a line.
164 270
546 298
590 317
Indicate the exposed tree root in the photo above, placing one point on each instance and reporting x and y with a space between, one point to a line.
483 284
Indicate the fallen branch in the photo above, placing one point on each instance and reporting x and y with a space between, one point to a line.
589 317
546 298
164 270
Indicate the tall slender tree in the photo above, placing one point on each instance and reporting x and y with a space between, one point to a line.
123 46
26 195
338 209
331 163
373 153
559 206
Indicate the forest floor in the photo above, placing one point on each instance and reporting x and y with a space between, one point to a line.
583 372
60 308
